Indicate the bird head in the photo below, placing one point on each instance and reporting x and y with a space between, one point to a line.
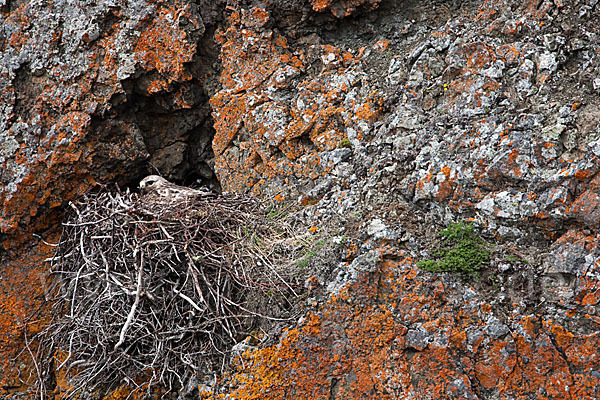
151 182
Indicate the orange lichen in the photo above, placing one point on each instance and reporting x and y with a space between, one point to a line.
258 139
61 161
586 208
23 312
164 46
446 186
349 5
358 346
126 392
381 45
157 86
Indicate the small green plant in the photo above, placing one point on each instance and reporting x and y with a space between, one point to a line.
303 263
275 213
461 250
305 260
494 281
512 259
345 143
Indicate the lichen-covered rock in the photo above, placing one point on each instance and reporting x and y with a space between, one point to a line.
401 333
86 90
342 8
450 131
277 131
64 71
387 118
479 114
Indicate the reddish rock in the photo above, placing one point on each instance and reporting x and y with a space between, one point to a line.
356 346
67 124
409 117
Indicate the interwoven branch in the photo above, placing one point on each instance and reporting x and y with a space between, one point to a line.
150 293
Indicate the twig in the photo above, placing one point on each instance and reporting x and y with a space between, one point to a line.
37 367
135 303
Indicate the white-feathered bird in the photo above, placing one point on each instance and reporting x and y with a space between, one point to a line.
154 185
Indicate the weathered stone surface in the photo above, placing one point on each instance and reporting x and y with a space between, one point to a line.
387 118
273 129
402 333
342 8
479 116
450 108
64 73
89 92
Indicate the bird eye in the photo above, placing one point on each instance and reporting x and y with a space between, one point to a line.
149 182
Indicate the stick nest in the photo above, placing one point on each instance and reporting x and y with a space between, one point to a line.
151 294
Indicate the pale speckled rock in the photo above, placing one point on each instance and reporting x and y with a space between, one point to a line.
495 328
452 110
417 339
346 274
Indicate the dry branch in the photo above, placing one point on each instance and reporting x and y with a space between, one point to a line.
156 293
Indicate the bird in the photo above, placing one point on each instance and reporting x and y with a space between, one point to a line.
157 189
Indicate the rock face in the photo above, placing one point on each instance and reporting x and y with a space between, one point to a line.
399 333
91 92
387 119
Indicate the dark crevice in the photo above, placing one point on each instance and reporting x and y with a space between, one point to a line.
334 388
175 123
12 5
562 353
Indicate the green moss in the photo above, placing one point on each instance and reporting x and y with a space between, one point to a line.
461 251
304 262
494 281
345 143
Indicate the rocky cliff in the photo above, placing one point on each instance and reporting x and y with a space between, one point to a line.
385 121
